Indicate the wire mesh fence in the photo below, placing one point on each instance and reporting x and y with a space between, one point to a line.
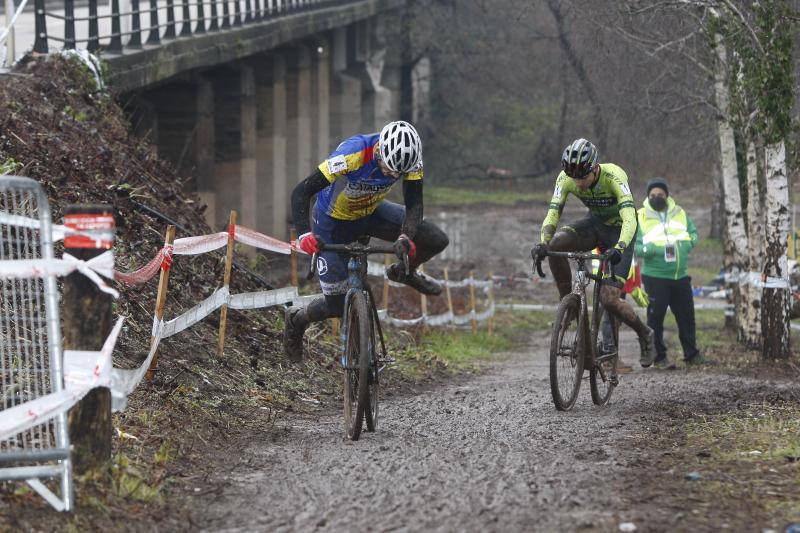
30 344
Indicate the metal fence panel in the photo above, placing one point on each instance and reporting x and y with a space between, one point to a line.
30 346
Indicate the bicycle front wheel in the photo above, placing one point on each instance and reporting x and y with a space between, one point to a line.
603 375
355 362
566 353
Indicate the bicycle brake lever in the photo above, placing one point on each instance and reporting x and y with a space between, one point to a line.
405 263
538 263
312 268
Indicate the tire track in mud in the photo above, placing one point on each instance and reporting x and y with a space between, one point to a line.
488 454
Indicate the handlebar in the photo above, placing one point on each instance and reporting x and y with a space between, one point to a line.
354 248
577 256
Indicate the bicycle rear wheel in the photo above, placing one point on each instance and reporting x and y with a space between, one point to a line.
566 353
355 361
603 374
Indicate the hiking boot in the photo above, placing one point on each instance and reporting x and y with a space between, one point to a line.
416 280
664 364
293 335
647 345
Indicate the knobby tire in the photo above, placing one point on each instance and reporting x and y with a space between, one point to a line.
566 361
357 345
601 385
372 403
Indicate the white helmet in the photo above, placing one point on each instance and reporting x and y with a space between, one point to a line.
401 148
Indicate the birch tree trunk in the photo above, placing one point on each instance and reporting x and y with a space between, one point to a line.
750 296
776 297
735 237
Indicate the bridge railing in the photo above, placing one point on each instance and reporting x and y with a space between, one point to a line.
132 24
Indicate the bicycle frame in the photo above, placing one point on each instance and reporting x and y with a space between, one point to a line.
582 279
356 270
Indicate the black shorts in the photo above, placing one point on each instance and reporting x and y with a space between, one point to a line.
590 233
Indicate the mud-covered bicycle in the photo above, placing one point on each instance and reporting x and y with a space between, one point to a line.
576 345
361 329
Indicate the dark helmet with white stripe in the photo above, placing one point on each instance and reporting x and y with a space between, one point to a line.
401 148
579 158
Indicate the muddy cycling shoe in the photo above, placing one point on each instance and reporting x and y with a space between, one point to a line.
293 334
665 364
648 348
415 280
624 368
697 360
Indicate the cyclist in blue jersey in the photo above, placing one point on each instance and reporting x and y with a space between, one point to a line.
351 186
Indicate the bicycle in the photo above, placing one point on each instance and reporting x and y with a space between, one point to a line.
571 351
360 330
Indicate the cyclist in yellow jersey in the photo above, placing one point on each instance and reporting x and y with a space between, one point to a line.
611 224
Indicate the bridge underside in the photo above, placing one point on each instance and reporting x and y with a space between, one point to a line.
248 116
135 69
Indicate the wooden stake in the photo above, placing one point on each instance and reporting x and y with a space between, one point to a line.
491 302
335 327
472 301
161 299
293 255
223 316
447 292
386 284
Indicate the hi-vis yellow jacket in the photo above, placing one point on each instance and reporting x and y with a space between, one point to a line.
657 230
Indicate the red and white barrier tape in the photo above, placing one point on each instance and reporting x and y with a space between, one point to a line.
438 320
255 239
103 265
83 371
758 280
124 380
162 260
200 245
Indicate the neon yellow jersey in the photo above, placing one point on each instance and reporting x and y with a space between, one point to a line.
609 200
357 183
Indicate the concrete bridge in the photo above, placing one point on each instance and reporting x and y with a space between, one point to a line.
244 97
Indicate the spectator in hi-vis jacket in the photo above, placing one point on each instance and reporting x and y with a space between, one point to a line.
666 236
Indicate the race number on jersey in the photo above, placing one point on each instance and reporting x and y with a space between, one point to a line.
337 164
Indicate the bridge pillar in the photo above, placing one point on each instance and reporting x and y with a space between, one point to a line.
145 118
321 95
272 179
299 161
376 98
204 141
175 106
345 90
234 142
249 176
391 79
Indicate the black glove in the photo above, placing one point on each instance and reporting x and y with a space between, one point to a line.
404 246
614 255
539 251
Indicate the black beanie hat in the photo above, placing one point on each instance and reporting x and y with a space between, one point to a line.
661 183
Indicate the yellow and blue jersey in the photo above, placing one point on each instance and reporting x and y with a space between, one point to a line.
357 183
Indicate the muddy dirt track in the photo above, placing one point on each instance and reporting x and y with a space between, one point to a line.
485 454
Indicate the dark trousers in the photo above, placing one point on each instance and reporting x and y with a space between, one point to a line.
677 295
